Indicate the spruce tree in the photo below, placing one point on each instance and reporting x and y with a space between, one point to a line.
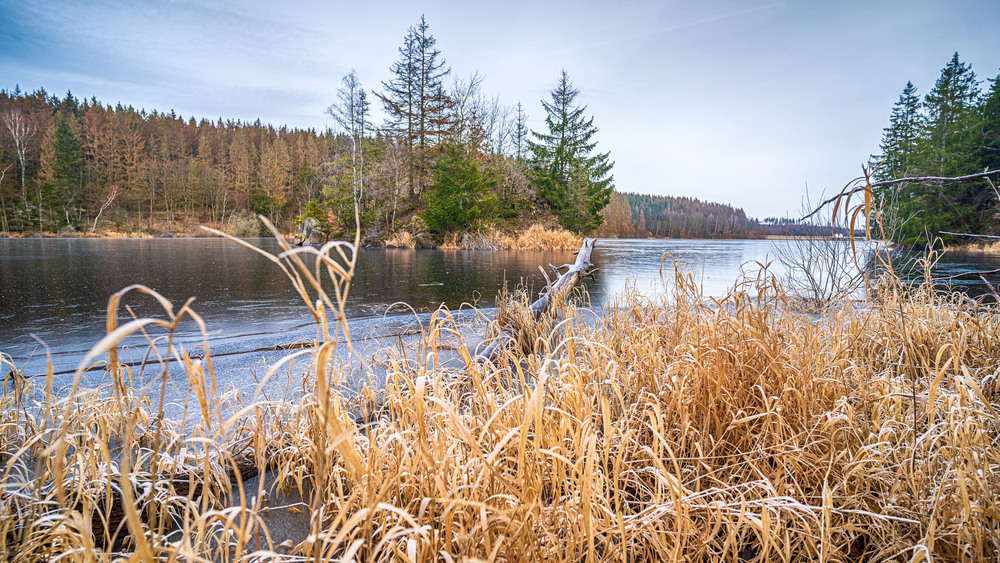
951 133
415 100
989 151
989 146
462 193
948 145
62 170
900 157
520 132
951 120
573 180
900 139
303 179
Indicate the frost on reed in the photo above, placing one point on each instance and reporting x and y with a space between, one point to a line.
674 427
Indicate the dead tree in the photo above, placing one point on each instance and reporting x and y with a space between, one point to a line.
556 292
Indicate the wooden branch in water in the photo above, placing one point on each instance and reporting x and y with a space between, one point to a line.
970 274
557 291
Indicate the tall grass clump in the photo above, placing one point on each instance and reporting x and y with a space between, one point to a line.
672 427
535 237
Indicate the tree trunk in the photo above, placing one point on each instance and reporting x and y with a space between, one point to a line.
543 305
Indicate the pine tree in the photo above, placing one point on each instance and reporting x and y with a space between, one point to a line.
571 179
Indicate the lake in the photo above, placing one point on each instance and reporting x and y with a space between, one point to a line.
56 290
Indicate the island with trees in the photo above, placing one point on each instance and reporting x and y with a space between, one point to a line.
447 160
447 165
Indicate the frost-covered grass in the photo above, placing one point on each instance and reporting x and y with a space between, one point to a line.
674 427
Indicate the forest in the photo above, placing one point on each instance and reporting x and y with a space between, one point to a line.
448 158
642 216
953 131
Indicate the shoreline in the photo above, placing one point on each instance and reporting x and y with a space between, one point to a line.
975 248
451 241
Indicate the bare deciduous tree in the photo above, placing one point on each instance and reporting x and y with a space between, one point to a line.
3 202
21 130
825 267
465 94
112 194
351 111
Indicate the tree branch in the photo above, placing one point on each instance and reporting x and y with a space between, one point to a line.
967 234
970 274
868 185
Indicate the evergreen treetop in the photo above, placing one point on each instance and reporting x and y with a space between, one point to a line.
575 182
899 139
989 148
950 119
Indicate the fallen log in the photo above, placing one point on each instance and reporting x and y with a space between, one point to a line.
108 519
556 292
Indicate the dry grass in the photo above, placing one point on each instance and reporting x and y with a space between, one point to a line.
992 247
239 224
673 428
402 239
536 237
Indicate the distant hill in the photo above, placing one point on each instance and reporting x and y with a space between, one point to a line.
642 216
775 226
631 215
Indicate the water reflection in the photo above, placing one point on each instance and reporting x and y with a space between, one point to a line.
58 289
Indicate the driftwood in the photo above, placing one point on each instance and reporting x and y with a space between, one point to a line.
970 274
183 484
575 273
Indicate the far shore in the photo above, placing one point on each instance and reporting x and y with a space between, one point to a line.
535 237
975 247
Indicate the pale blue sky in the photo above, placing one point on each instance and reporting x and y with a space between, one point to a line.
736 102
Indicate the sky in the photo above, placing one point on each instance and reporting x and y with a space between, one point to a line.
739 102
